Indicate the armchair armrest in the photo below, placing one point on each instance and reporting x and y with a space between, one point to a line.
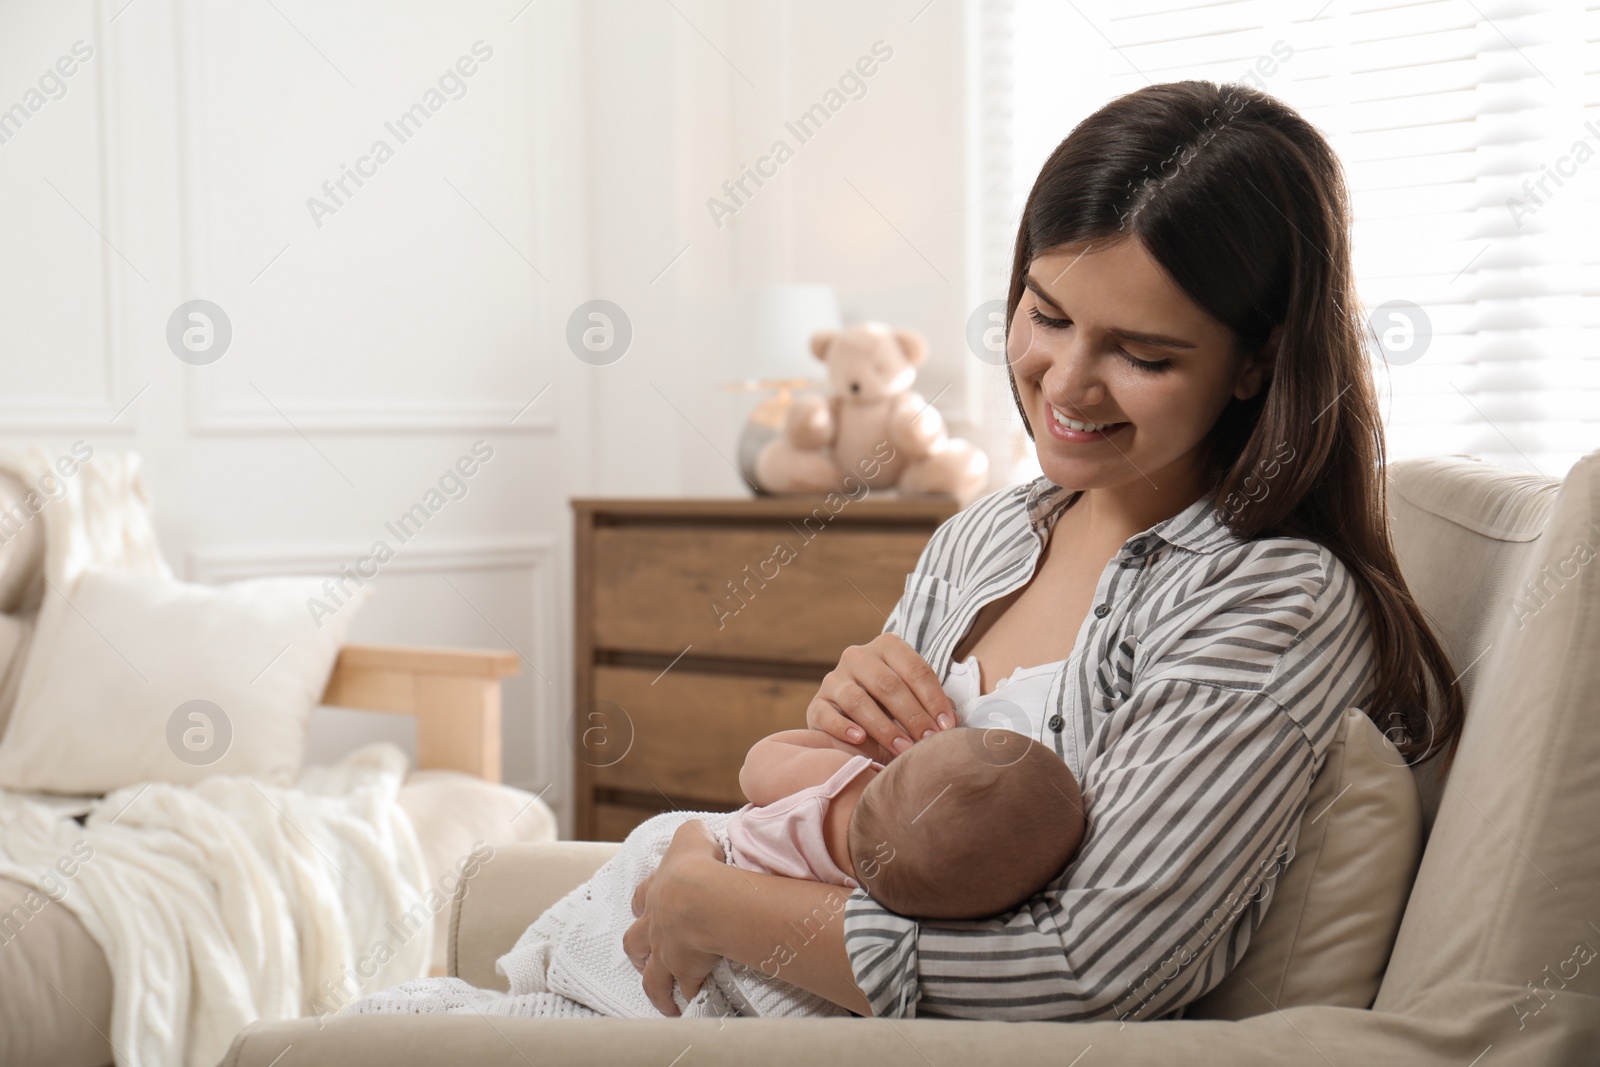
454 694
494 904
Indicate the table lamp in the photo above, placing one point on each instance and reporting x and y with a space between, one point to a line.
771 353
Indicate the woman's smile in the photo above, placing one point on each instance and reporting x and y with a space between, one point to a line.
1078 431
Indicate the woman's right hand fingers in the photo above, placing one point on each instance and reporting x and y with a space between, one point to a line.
925 705
821 715
886 689
899 681
859 708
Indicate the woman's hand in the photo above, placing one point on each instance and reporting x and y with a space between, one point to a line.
658 942
883 690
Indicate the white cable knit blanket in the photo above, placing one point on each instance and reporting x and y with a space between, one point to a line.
227 902
570 962
232 901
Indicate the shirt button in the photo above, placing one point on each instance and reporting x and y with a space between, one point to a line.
1137 548
1102 610
1056 723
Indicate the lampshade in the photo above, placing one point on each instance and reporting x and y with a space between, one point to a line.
773 325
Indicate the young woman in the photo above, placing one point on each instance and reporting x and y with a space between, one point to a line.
1203 576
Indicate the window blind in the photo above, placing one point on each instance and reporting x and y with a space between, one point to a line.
1470 136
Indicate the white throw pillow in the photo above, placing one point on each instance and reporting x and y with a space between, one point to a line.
135 677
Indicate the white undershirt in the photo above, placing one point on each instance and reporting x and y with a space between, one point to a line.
1017 702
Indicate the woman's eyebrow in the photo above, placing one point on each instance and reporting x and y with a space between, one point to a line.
1032 283
1156 340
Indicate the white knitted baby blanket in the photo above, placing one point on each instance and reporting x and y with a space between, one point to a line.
570 962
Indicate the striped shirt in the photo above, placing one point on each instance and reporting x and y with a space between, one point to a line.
1196 706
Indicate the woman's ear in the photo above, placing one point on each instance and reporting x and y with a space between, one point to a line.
1258 369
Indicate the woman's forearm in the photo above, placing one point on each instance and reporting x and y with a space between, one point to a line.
784 927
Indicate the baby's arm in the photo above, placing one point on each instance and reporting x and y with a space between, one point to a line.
792 760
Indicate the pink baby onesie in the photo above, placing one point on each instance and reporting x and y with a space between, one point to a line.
785 837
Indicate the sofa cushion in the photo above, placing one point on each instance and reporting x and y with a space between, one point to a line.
1504 900
1331 921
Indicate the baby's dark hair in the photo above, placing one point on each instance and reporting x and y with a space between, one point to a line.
965 824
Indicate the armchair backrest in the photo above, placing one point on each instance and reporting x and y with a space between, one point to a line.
1501 916
1464 532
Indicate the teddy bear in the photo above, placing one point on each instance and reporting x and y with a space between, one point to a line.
873 429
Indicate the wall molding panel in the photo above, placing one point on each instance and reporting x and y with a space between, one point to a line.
93 413
208 413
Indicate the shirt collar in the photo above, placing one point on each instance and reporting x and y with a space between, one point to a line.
1043 501
1197 527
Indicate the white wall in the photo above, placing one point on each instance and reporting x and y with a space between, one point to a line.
369 352
425 313
882 202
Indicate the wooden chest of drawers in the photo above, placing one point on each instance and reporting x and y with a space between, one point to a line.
704 625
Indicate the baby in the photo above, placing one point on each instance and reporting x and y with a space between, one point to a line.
965 824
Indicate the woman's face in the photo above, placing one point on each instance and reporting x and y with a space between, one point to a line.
1122 376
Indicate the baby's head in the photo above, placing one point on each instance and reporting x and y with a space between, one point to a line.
967 823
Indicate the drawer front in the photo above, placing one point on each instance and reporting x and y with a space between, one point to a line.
613 821
755 592
690 731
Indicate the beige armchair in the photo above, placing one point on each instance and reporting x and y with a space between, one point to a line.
1498 955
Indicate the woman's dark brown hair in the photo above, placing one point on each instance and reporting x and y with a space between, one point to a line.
1243 204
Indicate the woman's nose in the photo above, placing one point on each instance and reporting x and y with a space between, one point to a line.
1072 382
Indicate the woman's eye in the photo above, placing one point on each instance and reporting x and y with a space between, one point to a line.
1149 365
1045 320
